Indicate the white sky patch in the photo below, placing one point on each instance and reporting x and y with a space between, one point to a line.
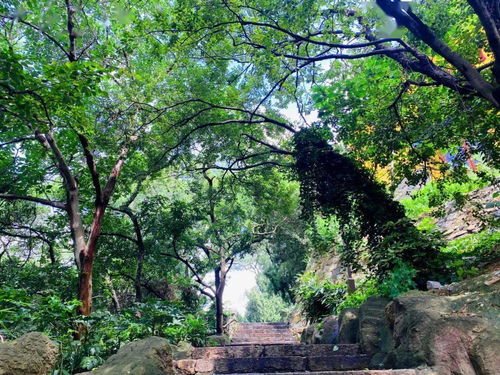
292 114
239 282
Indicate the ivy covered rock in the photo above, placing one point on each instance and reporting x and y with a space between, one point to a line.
151 356
31 354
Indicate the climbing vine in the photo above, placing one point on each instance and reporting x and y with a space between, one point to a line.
332 184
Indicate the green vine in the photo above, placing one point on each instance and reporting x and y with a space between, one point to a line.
332 184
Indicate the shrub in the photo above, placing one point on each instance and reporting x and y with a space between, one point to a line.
467 255
318 298
364 290
399 281
106 332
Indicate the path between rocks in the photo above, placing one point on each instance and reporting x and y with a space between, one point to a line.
270 348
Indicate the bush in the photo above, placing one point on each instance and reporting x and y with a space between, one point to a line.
105 332
363 291
467 255
318 298
266 307
399 281
430 199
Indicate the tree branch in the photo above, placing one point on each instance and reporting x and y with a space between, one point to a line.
17 140
89 158
46 202
40 30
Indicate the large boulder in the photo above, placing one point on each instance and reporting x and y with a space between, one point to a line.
375 335
348 326
151 356
330 330
456 334
183 350
31 354
324 332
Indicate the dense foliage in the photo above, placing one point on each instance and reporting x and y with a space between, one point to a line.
147 147
334 185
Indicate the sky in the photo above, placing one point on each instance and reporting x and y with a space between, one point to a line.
239 282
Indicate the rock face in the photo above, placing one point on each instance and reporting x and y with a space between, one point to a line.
453 334
325 332
457 334
482 204
375 335
31 354
348 326
151 356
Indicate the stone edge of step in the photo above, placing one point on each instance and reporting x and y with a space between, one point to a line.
339 372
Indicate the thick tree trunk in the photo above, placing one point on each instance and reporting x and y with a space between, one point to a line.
489 15
85 285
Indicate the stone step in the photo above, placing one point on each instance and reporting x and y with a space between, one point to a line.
263 342
261 331
269 337
349 372
272 364
264 324
273 350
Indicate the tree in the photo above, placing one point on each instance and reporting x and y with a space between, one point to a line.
74 100
265 307
432 79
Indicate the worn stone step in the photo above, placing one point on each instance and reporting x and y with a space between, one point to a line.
273 350
338 362
263 334
251 337
348 372
272 364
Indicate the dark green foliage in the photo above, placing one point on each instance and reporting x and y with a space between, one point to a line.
288 259
332 184
319 298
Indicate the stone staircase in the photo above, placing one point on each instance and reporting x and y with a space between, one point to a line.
270 348
263 333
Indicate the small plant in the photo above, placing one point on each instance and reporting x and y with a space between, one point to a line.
318 298
105 332
399 281
364 290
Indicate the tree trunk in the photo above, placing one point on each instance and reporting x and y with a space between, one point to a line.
141 253
351 284
87 263
220 283
114 296
85 285
408 19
